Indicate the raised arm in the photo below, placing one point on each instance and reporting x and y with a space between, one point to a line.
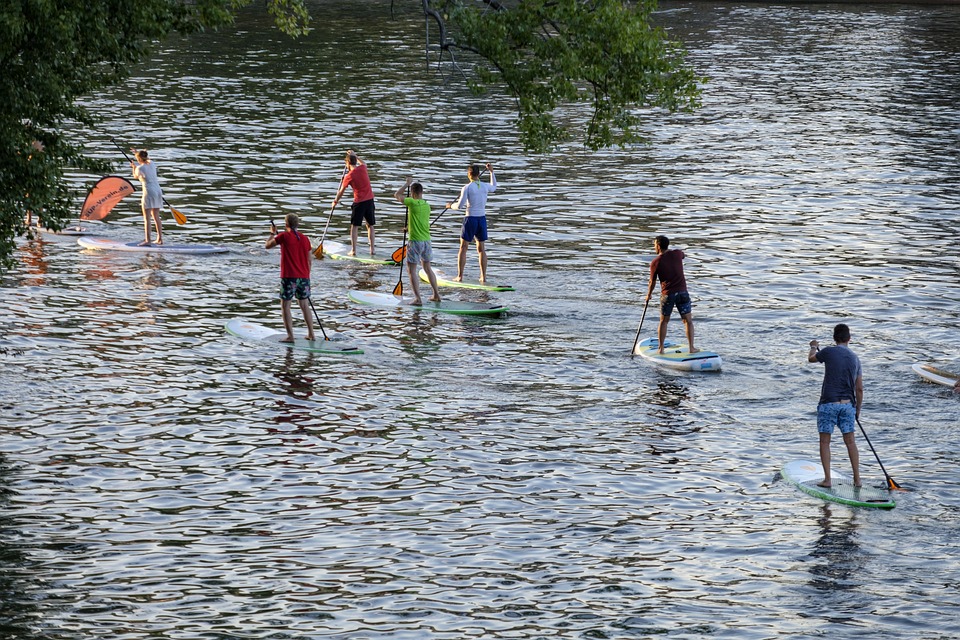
401 192
814 347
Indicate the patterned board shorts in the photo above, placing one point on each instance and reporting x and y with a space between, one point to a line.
418 250
836 414
291 288
679 298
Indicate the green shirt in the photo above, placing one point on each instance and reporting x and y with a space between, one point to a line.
419 219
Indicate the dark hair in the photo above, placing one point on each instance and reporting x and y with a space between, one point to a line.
352 159
841 333
663 241
292 220
416 189
474 171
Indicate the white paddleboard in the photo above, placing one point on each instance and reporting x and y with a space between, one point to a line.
678 356
339 251
455 307
805 475
939 376
69 231
444 281
106 244
255 332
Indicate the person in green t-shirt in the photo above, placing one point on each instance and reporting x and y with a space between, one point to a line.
418 247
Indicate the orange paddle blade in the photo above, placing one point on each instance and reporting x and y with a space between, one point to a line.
398 290
398 255
178 217
318 252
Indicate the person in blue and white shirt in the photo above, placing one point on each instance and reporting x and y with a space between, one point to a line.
473 198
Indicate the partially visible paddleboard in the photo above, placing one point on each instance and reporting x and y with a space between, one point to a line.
69 231
443 281
106 244
247 330
444 306
678 356
939 376
805 475
339 251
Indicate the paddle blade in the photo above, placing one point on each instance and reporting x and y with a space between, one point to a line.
318 252
178 217
398 255
892 484
398 290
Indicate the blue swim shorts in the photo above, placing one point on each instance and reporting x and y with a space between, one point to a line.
680 298
836 414
291 288
474 227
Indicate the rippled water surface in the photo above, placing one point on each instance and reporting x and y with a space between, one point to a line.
518 477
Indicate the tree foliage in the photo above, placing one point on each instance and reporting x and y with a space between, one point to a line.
548 53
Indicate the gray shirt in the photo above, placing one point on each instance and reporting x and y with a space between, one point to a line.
840 374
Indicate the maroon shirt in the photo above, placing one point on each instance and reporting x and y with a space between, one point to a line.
668 266
294 254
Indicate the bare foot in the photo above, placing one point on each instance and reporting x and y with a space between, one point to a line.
351 253
694 350
458 279
287 340
311 337
824 483
857 484
434 298
159 241
145 243
416 303
482 280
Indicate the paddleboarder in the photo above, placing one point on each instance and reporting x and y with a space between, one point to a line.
294 272
473 197
668 267
152 199
841 397
362 210
418 248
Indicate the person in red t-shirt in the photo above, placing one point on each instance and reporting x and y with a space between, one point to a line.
362 209
668 267
294 272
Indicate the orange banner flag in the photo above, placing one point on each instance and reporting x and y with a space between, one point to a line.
104 196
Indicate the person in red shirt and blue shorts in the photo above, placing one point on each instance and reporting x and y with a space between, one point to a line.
668 267
294 272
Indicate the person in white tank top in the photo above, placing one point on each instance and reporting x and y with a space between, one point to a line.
152 199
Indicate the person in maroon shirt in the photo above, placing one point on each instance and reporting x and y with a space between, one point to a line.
294 272
668 267
362 210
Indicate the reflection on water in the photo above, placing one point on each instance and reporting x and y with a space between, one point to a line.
512 477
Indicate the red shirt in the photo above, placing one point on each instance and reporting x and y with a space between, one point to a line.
294 254
360 182
668 266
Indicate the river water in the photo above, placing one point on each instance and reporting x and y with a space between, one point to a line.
520 477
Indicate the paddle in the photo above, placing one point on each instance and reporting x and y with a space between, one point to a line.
401 253
891 483
398 290
177 216
318 252
642 316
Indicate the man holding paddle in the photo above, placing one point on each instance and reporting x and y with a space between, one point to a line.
668 267
840 398
363 208
294 272
473 197
418 249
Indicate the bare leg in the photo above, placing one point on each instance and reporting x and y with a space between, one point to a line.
157 224
287 320
353 240
825 459
370 237
307 318
662 331
414 283
432 277
850 439
688 321
461 260
146 226
482 258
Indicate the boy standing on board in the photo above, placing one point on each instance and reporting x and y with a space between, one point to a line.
840 398
418 248
473 197
294 272
363 209
668 266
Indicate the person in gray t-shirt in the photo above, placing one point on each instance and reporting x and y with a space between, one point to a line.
840 398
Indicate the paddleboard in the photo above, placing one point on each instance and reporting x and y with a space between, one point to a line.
939 376
69 231
339 251
443 281
805 475
444 306
106 244
678 356
252 331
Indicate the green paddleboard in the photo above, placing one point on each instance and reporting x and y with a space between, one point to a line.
444 281
805 475
339 251
254 332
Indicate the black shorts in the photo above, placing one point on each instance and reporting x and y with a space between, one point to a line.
360 211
